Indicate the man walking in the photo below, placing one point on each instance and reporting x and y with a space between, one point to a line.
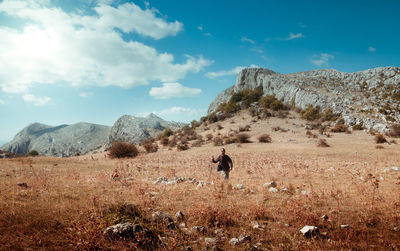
225 163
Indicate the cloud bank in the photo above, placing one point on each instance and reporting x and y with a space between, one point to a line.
56 47
171 90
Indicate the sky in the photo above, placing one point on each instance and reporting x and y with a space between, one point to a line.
64 62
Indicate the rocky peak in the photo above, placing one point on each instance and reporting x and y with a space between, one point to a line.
365 97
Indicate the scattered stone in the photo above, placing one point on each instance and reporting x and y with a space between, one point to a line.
160 180
393 168
243 238
309 231
124 230
255 225
344 226
234 241
182 225
324 217
160 216
270 184
172 226
287 225
179 216
240 186
284 189
304 192
23 184
273 190
199 229
187 248
200 184
210 241
362 178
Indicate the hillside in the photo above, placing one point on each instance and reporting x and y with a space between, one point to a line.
369 98
63 140
275 189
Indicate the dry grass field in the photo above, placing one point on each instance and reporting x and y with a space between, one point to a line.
67 203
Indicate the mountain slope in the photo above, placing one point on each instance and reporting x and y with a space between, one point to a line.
135 129
370 97
63 140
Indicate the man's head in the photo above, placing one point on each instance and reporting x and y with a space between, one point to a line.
223 151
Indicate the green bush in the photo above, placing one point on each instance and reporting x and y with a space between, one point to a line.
33 153
277 105
328 115
218 141
396 96
310 113
395 131
122 150
150 147
182 147
266 101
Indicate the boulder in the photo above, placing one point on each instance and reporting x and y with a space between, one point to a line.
309 231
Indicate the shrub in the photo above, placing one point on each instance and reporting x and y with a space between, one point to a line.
229 140
243 138
194 124
278 128
277 105
396 96
182 147
379 147
172 142
395 131
150 147
264 138
218 141
122 150
266 101
209 136
166 133
310 113
164 141
328 115
219 127
198 143
323 143
212 117
379 139
358 127
340 128
33 153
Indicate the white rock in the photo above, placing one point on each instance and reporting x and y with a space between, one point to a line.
309 231
234 241
273 190
240 186
270 184
393 168
344 226
210 241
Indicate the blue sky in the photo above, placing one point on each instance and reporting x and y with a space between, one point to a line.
64 62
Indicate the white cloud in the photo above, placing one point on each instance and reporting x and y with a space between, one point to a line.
56 47
2 102
170 90
321 59
38 101
233 71
294 36
85 94
245 39
258 50
372 49
179 110
200 28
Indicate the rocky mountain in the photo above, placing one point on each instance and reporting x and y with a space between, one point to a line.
135 129
68 140
370 98
63 140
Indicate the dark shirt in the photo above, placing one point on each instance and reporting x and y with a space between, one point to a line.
224 161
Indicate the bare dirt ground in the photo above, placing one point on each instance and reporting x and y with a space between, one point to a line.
67 203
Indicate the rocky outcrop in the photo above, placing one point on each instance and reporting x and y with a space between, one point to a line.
364 97
63 140
135 129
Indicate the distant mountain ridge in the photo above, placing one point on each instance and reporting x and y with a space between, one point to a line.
134 129
82 138
370 98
